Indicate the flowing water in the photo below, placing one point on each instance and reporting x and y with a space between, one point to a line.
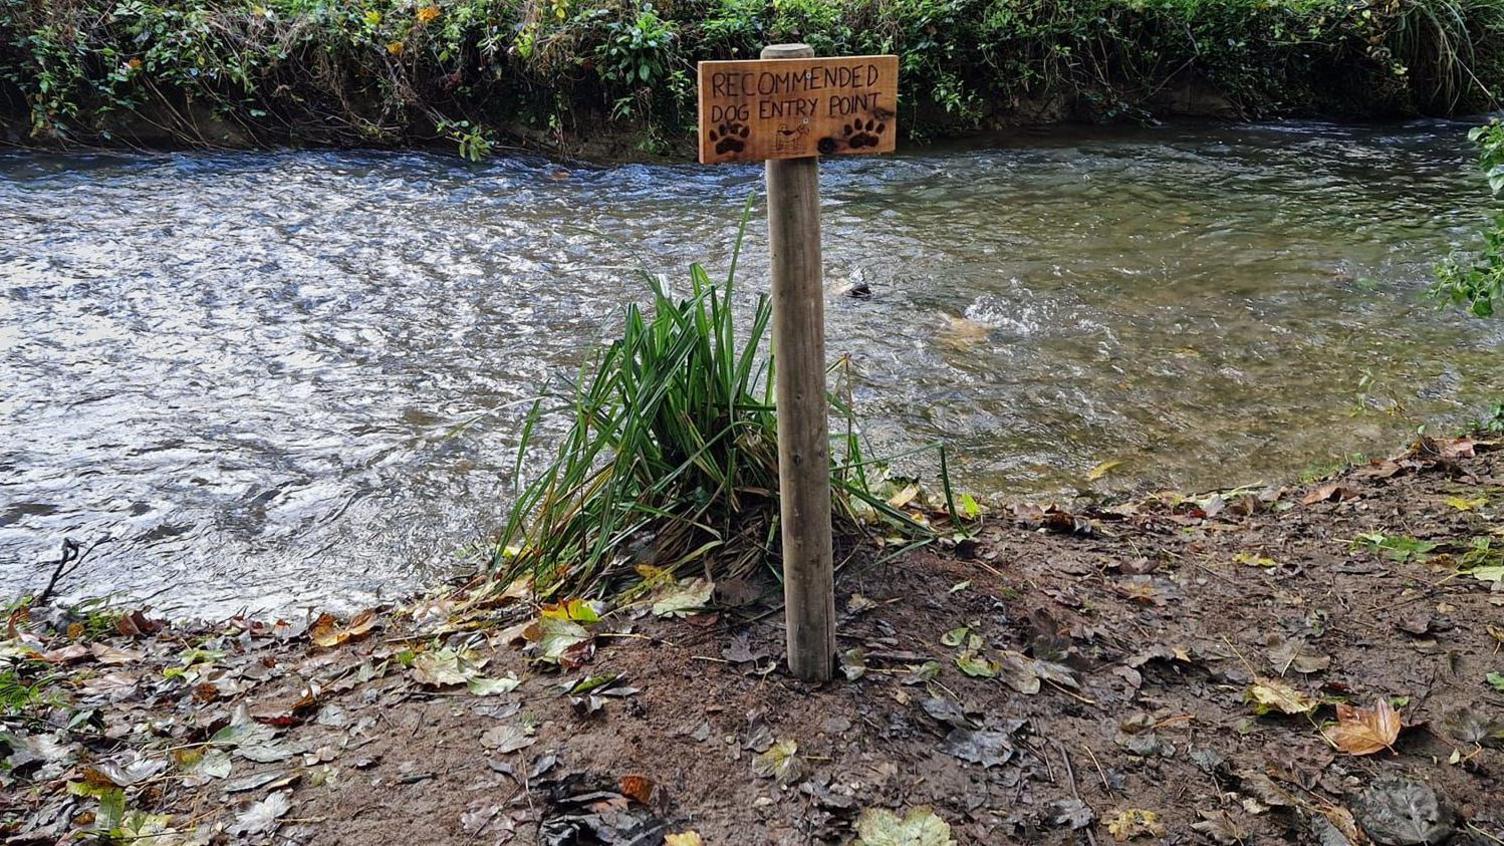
287 379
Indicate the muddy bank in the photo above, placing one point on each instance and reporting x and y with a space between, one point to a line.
1315 664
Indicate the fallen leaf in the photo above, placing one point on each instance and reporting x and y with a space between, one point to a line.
637 787
689 597
1466 503
919 827
1135 822
988 748
506 739
1364 731
263 816
1468 725
1102 469
328 633
781 762
1274 695
1253 560
106 654
1330 491
1400 811
684 838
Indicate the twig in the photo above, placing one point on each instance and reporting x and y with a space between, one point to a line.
1070 773
72 554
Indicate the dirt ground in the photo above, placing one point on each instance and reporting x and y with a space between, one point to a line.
1095 678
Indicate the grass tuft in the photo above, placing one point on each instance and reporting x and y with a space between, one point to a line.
671 457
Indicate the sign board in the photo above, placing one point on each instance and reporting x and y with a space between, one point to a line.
791 108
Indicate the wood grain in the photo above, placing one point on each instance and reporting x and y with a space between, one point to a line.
803 424
786 108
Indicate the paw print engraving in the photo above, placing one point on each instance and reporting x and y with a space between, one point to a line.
860 133
729 137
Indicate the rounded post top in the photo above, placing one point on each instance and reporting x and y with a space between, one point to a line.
788 51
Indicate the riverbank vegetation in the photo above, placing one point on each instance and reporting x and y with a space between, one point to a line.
562 73
670 461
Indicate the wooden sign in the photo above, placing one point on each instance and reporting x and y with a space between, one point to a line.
791 108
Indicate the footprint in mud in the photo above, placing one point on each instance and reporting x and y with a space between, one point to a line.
862 133
729 137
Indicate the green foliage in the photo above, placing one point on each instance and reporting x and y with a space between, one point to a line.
671 456
1475 281
398 71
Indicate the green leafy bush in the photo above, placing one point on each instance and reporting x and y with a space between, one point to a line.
1475 281
391 72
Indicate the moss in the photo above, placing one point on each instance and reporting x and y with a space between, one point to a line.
394 72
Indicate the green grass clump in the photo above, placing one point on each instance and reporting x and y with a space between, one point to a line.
671 457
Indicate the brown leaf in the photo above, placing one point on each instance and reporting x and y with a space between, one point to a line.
1335 491
637 787
1364 731
327 632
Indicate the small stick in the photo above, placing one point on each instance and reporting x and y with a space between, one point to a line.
1098 765
1071 774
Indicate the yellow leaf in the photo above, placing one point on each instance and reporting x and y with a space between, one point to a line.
373 17
684 838
394 47
1464 503
1274 695
1136 822
904 497
1253 560
427 14
1364 731
1102 469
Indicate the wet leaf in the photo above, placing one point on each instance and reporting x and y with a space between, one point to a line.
1466 503
956 636
781 762
1018 672
904 497
1294 654
1364 731
988 748
106 654
854 663
1102 469
1254 560
492 687
1275 695
506 739
1335 491
1469 725
1401 812
1132 823
263 816
1220 827
1071 812
125 774
920 827
920 673
977 666
637 787
446 667
558 639
689 597
577 610
328 633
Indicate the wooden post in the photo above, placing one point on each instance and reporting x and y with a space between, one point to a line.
803 427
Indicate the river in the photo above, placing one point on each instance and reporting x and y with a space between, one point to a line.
292 379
